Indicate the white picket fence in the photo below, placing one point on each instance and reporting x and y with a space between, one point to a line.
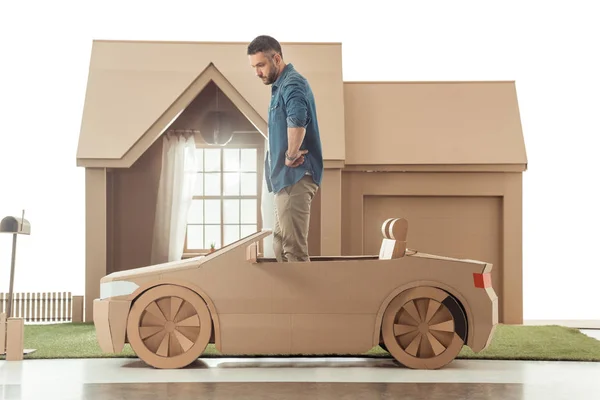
44 306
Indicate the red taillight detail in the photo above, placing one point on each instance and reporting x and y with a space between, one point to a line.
482 280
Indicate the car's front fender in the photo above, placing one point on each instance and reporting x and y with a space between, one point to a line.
110 320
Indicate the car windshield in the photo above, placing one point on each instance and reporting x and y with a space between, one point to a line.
233 244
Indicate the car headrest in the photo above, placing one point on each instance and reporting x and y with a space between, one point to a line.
395 228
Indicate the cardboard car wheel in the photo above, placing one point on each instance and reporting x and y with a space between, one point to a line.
169 326
424 328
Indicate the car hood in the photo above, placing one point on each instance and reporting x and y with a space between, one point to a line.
157 269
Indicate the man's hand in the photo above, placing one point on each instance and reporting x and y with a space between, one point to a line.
299 159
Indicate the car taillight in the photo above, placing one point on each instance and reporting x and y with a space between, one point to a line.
482 280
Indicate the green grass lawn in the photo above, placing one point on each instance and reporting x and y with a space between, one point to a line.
509 343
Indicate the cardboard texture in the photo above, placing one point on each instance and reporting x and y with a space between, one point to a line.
77 310
422 307
2 333
447 156
419 124
150 78
15 328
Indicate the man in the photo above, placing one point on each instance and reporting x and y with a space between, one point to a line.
294 162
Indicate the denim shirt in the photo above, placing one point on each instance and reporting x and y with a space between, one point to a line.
292 105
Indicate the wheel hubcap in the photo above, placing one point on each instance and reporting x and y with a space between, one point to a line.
424 328
169 326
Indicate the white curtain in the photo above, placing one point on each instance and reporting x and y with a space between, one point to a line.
175 191
268 214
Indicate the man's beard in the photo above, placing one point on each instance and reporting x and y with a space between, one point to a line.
272 77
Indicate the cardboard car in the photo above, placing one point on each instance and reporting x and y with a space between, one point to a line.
422 308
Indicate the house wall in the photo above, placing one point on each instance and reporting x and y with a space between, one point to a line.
132 196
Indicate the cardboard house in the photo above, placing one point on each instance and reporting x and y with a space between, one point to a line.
447 156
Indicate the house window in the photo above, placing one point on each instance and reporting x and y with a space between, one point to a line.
226 197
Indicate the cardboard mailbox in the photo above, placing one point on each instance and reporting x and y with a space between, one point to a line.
12 329
15 225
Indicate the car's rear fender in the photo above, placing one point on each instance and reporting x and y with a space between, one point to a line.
216 335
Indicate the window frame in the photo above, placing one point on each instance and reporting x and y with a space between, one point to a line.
233 144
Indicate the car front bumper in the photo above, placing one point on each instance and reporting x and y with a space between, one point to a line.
110 320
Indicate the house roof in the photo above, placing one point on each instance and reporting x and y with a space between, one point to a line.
433 123
136 89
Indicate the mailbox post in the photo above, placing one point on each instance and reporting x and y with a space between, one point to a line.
12 329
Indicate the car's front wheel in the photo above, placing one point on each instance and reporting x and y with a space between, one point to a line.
424 328
169 326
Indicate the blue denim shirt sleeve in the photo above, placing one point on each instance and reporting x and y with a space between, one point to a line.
295 98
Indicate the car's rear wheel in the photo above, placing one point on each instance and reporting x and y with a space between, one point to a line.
169 326
424 328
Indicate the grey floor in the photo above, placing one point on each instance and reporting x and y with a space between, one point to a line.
296 378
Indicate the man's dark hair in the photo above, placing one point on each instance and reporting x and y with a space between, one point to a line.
264 44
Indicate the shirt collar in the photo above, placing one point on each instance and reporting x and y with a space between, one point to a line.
288 67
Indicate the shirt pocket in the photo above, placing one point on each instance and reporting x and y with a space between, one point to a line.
276 108
275 105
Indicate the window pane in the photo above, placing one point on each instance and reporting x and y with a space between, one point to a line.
212 159
248 184
195 214
248 160
231 233
212 211
231 159
199 159
248 211
212 234
212 184
248 230
231 211
195 237
231 181
199 185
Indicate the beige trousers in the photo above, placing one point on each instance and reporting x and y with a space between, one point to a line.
292 217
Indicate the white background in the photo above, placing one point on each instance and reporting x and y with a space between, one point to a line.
549 48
